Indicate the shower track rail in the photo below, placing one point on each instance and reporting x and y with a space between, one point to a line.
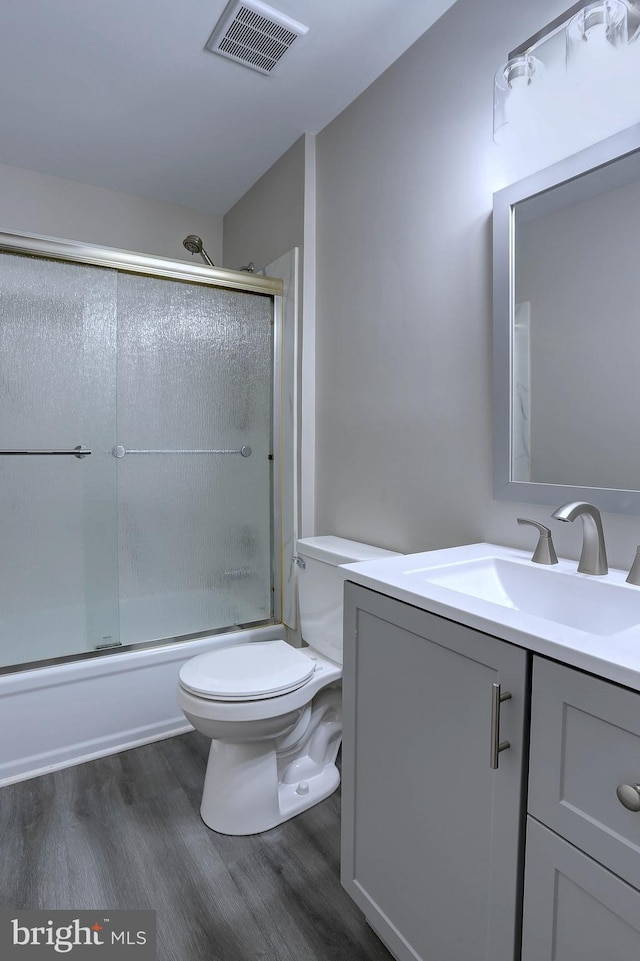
80 452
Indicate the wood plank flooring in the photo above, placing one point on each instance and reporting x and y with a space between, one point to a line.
125 832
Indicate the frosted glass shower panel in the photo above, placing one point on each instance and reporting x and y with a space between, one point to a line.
194 378
58 565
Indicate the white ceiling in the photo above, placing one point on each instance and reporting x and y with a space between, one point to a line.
122 94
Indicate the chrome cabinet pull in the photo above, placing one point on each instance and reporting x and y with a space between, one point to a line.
629 796
496 744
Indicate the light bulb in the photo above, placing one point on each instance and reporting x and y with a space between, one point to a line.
514 91
594 34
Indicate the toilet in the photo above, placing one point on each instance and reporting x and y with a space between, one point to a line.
272 711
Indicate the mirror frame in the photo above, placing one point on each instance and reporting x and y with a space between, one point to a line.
599 155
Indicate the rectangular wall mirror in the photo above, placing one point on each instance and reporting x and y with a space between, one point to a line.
567 331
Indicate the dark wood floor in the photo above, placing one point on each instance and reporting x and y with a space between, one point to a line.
125 832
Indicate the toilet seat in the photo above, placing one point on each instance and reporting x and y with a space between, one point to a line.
247 672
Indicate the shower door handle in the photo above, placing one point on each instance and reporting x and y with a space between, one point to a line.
119 451
78 452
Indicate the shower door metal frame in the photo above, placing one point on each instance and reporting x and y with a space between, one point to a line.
128 261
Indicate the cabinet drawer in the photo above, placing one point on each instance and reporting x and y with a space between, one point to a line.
574 909
585 741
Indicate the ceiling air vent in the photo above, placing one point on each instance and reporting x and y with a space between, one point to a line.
254 34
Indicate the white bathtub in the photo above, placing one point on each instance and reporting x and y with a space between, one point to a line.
54 717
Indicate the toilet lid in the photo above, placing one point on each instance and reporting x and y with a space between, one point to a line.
247 672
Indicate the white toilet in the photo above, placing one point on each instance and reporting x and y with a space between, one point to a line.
273 712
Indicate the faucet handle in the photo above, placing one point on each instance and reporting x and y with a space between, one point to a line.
545 552
633 576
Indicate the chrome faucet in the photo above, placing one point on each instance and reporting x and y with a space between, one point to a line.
593 559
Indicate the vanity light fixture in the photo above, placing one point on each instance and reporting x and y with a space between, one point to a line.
583 42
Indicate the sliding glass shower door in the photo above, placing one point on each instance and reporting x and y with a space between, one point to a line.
194 436
58 513
135 458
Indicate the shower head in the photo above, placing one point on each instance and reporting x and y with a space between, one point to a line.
194 246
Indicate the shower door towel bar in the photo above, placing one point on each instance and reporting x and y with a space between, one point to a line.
78 452
244 451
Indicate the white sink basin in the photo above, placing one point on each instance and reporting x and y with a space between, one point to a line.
583 602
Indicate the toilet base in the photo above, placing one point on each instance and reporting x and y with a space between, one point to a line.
239 796
252 786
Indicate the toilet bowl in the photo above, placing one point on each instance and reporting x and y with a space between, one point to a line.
272 711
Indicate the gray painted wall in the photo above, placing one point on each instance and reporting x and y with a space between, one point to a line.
269 219
37 203
405 180
276 215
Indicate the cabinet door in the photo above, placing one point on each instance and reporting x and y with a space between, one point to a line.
574 909
431 833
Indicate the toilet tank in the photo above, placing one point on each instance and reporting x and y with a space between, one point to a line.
320 588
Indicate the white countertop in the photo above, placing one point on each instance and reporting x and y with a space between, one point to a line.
614 656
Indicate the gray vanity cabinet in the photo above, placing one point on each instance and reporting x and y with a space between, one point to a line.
431 831
582 878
